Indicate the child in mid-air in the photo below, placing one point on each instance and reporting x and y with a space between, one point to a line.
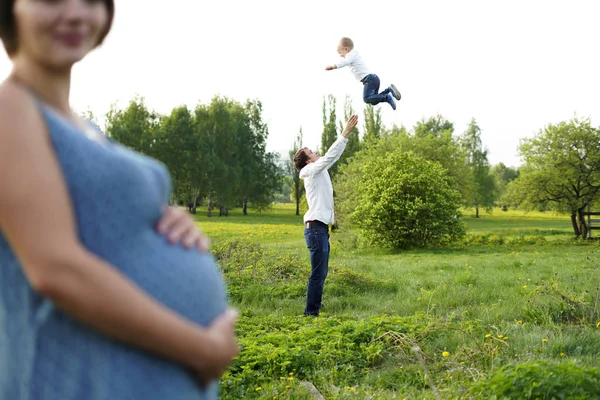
370 81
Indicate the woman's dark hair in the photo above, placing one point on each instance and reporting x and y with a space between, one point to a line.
8 27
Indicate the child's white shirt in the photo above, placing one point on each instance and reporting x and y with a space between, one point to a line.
356 64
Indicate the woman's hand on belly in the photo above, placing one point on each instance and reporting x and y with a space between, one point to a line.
220 348
180 227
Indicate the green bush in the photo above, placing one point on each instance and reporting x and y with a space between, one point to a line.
320 350
407 201
252 270
552 301
540 380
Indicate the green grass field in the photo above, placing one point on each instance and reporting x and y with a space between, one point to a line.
491 316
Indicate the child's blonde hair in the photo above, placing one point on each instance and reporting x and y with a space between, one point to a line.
347 42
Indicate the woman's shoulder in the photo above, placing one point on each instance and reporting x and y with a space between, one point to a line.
14 95
20 119
17 108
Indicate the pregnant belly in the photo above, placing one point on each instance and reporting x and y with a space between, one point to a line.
185 280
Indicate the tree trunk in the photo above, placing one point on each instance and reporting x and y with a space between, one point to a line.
210 205
223 211
195 203
476 210
583 228
297 196
245 206
574 222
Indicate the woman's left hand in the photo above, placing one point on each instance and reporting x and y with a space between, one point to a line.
179 226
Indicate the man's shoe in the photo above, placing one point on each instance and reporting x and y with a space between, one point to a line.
395 91
391 101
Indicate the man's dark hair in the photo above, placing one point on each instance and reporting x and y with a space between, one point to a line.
8 27
300 159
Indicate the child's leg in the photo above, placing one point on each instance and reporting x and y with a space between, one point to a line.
393 90
370 89
371 93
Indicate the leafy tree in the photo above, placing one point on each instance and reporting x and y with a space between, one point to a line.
434 126
135 127
271 181
297 186
483 193
203 159
284 195
226 118
217 152
503 175
397 198
373 127
561 169
433 140
174 146
353 144
405 201
260 174
329 134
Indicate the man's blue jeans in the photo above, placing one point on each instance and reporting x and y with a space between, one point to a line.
316 234
371 93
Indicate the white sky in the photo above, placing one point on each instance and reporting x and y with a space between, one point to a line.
514 65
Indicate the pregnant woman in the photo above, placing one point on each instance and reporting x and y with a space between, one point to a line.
104 292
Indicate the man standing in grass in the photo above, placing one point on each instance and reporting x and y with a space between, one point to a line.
319 196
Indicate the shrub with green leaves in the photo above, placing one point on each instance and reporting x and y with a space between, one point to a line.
321 350
406 201
251 269
540 380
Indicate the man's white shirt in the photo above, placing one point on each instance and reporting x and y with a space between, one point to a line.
317 183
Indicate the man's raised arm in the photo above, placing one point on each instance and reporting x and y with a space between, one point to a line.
334 153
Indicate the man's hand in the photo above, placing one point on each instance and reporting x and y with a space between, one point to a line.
330 67
350 125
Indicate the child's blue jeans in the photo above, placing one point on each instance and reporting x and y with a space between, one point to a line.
371 93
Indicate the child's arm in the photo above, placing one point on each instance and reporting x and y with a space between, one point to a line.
348 60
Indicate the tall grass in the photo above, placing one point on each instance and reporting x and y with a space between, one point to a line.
519 291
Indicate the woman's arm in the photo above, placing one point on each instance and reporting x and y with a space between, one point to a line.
37 219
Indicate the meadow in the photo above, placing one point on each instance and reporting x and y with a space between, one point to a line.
512 311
